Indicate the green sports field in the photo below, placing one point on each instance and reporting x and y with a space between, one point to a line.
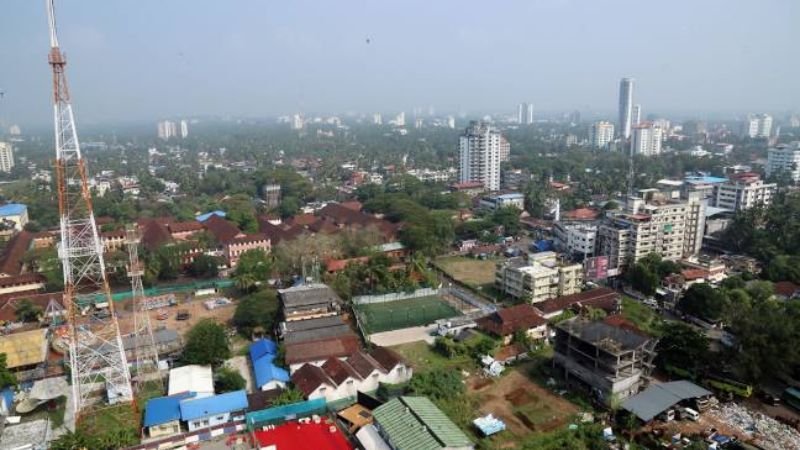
414 312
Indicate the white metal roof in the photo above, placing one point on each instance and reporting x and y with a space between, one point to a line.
192 378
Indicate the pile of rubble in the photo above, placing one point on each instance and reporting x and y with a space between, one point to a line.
766 431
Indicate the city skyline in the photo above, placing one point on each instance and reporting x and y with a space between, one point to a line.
375 62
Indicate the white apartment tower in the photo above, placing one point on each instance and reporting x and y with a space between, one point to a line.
636 116
377 119
479 151
6 157
184 129
601 134
758 126
525 113
653 223
625 108
785 158
646 139
167 129
744 191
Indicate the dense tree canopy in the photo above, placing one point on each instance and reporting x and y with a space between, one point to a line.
206 343
259 309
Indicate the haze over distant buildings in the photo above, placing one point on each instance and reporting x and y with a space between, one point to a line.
149 60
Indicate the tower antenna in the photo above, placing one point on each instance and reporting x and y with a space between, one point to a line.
96 355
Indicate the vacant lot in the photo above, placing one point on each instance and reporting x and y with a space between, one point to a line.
399 314
422 357
470 271
523 405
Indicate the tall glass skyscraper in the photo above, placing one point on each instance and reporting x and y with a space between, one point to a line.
625 107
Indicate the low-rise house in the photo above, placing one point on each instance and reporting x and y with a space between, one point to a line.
603 298
610 359
162 415
339 379
319 351
309 301
214 410
16 213
414 423
786 290
298 331
267 375
25 283
504 323
509 200
234 248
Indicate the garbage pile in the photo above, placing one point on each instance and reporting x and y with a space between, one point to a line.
766 431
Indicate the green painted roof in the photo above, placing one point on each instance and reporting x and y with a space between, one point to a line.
415 423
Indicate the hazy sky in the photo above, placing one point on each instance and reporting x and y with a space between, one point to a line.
148 59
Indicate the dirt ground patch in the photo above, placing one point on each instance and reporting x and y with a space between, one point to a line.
522 404
474 272
195 307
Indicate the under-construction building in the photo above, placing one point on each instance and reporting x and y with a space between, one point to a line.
610 360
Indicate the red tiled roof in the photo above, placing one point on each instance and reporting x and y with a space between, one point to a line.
303 219
603 298
183 227
506 321
8 306
582 214
694 274
786 288
11 261
338 371
154 234
113 234
467 185
222 229
337 265
387 358
277 234
363 364
337 347
509 351
309 377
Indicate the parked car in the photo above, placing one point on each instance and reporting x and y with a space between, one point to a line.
183 315
769 398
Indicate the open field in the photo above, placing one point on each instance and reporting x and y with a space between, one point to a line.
399 314
195 307
470 271
422 357
522 404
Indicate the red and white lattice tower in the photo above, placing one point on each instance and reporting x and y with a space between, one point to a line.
96 355
145 350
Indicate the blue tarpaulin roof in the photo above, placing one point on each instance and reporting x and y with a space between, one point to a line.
8 396
164 409
206 216
262 347
262 354
215 404
12 209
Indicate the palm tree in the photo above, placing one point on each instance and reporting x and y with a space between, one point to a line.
245 281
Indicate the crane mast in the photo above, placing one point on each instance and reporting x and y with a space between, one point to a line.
96 354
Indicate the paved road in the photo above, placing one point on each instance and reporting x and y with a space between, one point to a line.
404 336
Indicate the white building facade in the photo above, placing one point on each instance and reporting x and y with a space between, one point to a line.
744 191
601 134
785 158
6 157
646 140
479 155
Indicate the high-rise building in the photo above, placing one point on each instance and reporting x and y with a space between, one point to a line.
784 158
184 129
272 195
652 223
625 108
451 122
525 113
601 134
479 155
418 123
505 149
377 119
6 157
757 126
636 115
167 129
744 191
297 122
539 278
400 119
646 139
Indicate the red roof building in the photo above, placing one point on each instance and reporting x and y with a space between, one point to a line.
602 298
294 435
505 322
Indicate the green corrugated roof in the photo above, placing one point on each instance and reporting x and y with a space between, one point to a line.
415 423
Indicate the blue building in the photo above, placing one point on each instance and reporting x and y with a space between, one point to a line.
217 409
267 374
162 415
